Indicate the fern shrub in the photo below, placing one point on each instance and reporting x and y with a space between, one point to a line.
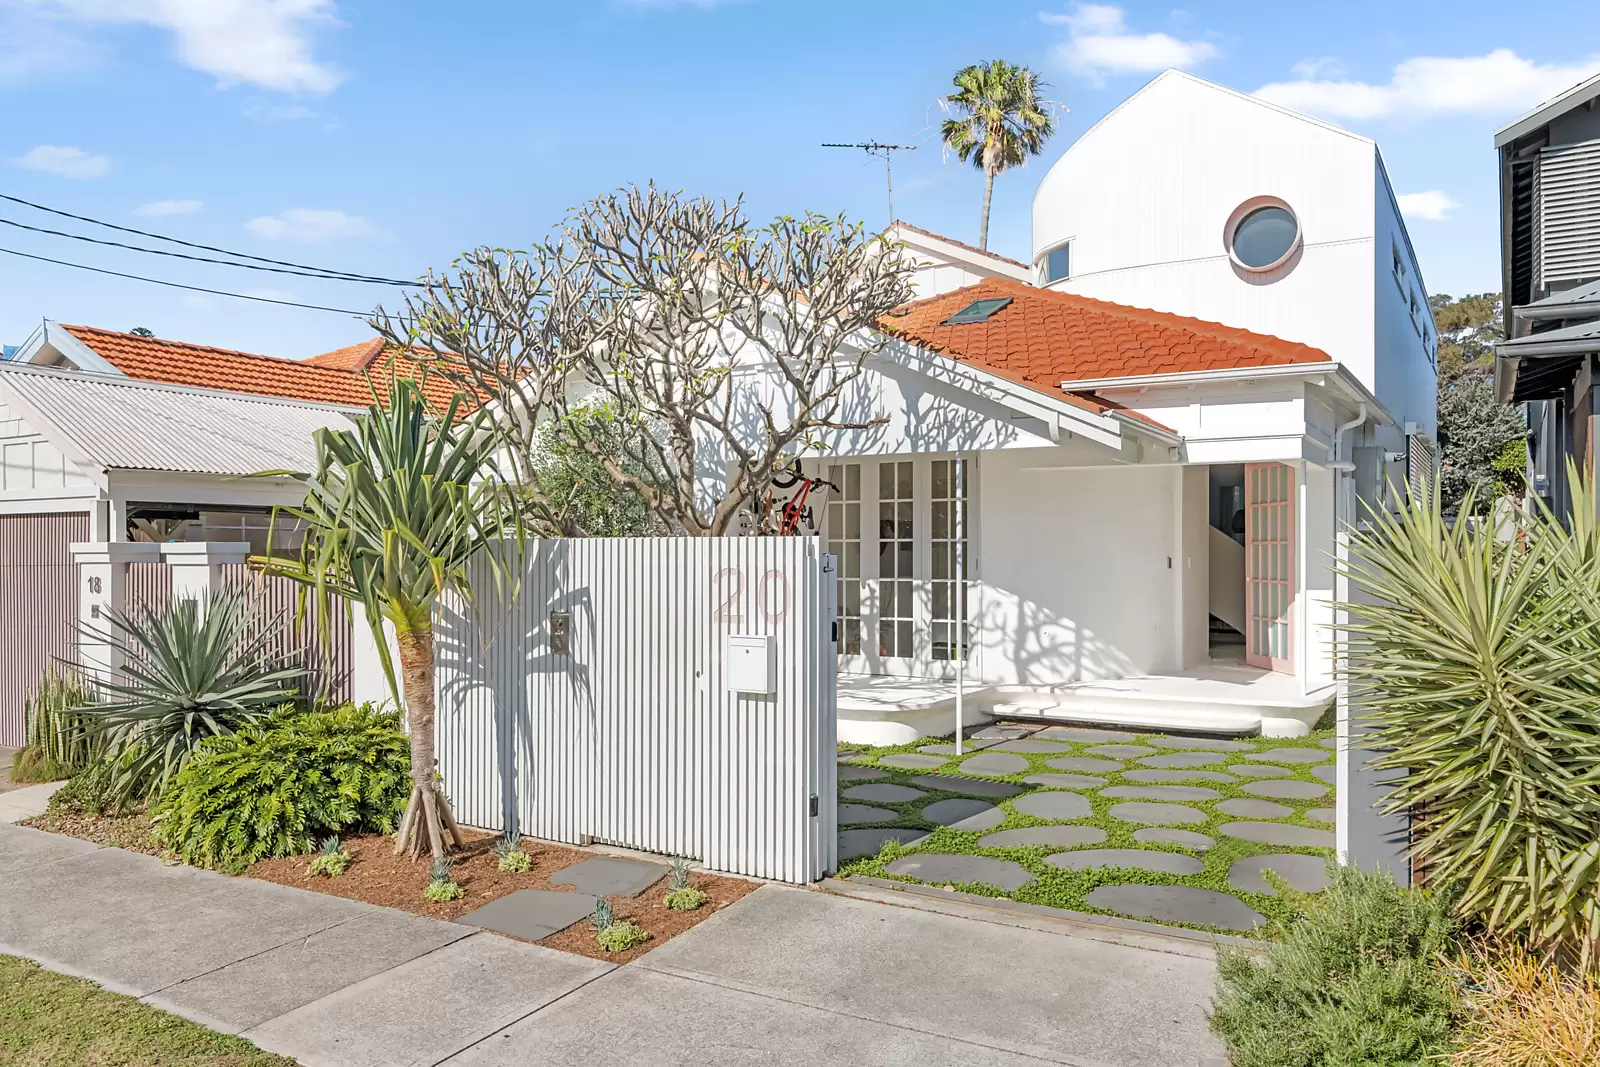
276 787
1359 979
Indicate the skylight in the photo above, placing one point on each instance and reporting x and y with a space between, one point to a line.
977 311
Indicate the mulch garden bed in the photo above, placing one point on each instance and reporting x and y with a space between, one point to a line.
377 876
131 832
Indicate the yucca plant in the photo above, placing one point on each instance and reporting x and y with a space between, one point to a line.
189 672
442 887
331 859
602 916
60 741
399 509
509 854
681 896
1479 668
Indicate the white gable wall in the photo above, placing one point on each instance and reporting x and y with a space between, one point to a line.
31 467
1405 346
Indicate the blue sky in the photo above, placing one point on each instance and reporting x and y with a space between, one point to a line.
384 136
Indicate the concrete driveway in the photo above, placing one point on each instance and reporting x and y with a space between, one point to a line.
785 975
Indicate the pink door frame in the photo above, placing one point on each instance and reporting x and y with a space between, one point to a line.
1270 565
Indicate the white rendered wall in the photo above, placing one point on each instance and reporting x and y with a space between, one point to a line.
1407 382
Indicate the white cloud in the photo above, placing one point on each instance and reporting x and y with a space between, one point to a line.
163 208
1434 205
1099 43
64 161
308 226
266 43
1500 82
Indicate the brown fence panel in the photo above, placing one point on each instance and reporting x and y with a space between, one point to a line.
38 606
326 654
149 587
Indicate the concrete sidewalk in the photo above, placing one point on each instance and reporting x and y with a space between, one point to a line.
785 975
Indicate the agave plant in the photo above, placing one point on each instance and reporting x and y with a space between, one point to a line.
602 916
189 672
510 855
331 860
1479 667
677 874
442 887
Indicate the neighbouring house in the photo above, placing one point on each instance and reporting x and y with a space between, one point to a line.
1160 430
1550 269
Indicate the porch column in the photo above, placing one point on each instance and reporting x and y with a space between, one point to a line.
197 566
102 588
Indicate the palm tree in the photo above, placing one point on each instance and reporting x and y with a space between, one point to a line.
999 122
399 510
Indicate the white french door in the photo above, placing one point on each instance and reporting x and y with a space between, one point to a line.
1270 560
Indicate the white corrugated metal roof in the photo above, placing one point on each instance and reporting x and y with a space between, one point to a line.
120 424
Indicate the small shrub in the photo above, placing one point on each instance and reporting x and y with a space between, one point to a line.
274 788
621 936
677 874
687 899
331 860
84 794
511 858
442 887
1356 979
1521 1013
60 741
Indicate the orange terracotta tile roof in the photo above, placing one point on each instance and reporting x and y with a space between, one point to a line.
179 363
1045 337
959 244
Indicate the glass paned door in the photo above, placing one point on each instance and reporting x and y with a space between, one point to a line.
948 529
1270 560
897 603
843 528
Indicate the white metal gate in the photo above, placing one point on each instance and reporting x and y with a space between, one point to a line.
627 733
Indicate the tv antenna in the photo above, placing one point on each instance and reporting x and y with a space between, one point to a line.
886 153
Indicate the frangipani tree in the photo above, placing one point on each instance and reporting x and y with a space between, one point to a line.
398 511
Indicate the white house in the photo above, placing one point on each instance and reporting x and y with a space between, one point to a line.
1223 342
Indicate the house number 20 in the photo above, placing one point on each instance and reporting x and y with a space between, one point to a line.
772 595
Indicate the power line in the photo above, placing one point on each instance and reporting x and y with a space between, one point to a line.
205 248
180 285
321 276
887 151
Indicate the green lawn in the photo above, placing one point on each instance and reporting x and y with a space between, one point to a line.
51 1020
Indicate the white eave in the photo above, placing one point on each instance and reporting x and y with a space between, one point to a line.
1331 374
1584 93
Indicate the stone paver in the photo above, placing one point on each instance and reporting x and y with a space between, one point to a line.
609 876
1291 755
1323 815
1277 833
941 869
994 763
1064 836
1260 770
883 793
1245 808
1001 733
1330 742
1053 805
1177 903
1183 759
1120 751
1167 836
1081 733
1030 747
1161 792
1209 743
1286 790
1309 874
861 774
1156 814
531 913
1328 773
948 748
962 813
854 843
1177 775
912 760
856 814
1141 859
972 787
1065 781
1084 763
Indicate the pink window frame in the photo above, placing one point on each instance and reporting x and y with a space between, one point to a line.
1271 566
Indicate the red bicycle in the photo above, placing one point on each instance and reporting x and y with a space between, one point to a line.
796 509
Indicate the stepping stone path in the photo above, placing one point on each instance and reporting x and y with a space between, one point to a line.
941 869
1183 759
1084 763
1180 775
855 814
1260 770
1254 809
1083 734
1002 733
1177 904
1120 751
854 843
1209 743
846 757
1291 755
970 745
1065 781
1330 742
1161 792
912 760
1286 790
1167 836
1309 874
962 813
1031 747
532 913
1323 815
994 763
1054 805
1156 814
1064 836
1142 859
1329 774
883 793
1278 833
972 787
861 774
610 876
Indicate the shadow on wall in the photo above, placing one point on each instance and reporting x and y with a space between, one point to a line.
1025 643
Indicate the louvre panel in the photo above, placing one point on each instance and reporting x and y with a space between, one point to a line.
39 588
1567 202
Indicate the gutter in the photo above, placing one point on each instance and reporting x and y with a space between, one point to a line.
1578 346
1353 388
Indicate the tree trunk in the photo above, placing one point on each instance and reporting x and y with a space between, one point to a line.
428 816
988 193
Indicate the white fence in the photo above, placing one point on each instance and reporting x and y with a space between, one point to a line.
629 735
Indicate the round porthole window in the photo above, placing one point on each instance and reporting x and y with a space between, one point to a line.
1262 234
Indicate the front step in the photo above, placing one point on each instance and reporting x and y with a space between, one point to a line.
1212 706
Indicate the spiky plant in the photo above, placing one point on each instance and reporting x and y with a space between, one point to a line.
681 896
602 915
331 860
677 874
60 741
442 887
509 854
